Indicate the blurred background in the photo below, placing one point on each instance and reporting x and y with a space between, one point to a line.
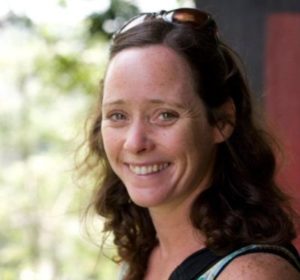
52 56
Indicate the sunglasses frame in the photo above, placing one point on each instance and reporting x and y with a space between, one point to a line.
186 16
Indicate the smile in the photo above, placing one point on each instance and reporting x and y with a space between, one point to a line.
148 169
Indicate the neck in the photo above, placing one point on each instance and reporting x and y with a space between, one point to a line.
177 238
175 231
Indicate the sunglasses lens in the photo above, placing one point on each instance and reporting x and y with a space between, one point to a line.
190 16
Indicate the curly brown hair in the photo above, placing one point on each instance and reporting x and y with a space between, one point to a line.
244 204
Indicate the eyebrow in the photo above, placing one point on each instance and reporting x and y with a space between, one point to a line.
116 102
152 101
162 102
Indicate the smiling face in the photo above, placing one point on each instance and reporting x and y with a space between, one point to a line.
154 127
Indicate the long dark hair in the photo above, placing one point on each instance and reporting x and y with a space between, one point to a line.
243 205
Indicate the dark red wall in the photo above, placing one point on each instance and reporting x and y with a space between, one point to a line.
282 88
267 36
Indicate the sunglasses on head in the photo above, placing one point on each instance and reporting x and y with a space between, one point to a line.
186 16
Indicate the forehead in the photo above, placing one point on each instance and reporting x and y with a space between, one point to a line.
156 69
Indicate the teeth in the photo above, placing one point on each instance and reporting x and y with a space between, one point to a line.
148 169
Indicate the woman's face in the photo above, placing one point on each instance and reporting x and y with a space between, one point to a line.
155 131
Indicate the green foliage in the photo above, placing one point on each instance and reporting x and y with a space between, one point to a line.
68 73
111 20
17 20
49 80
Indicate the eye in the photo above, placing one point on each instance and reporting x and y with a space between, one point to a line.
167 116
116 116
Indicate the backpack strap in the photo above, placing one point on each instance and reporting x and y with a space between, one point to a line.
290 255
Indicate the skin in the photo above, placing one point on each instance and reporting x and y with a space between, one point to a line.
261 266
152 116
159 142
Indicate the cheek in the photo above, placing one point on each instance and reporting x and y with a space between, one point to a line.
111 142
199 140
181 141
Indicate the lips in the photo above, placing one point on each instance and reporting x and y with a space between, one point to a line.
148 169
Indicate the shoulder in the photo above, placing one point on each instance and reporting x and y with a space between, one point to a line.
263 266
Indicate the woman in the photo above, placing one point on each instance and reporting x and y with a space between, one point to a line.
187 184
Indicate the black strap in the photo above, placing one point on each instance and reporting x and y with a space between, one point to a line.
199 262
195 265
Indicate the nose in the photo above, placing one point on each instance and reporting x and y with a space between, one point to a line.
137 138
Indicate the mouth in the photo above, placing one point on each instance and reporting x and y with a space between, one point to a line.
148 169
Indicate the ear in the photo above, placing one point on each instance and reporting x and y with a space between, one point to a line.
225 121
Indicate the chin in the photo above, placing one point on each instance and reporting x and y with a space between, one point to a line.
142 202
148 202
148 196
